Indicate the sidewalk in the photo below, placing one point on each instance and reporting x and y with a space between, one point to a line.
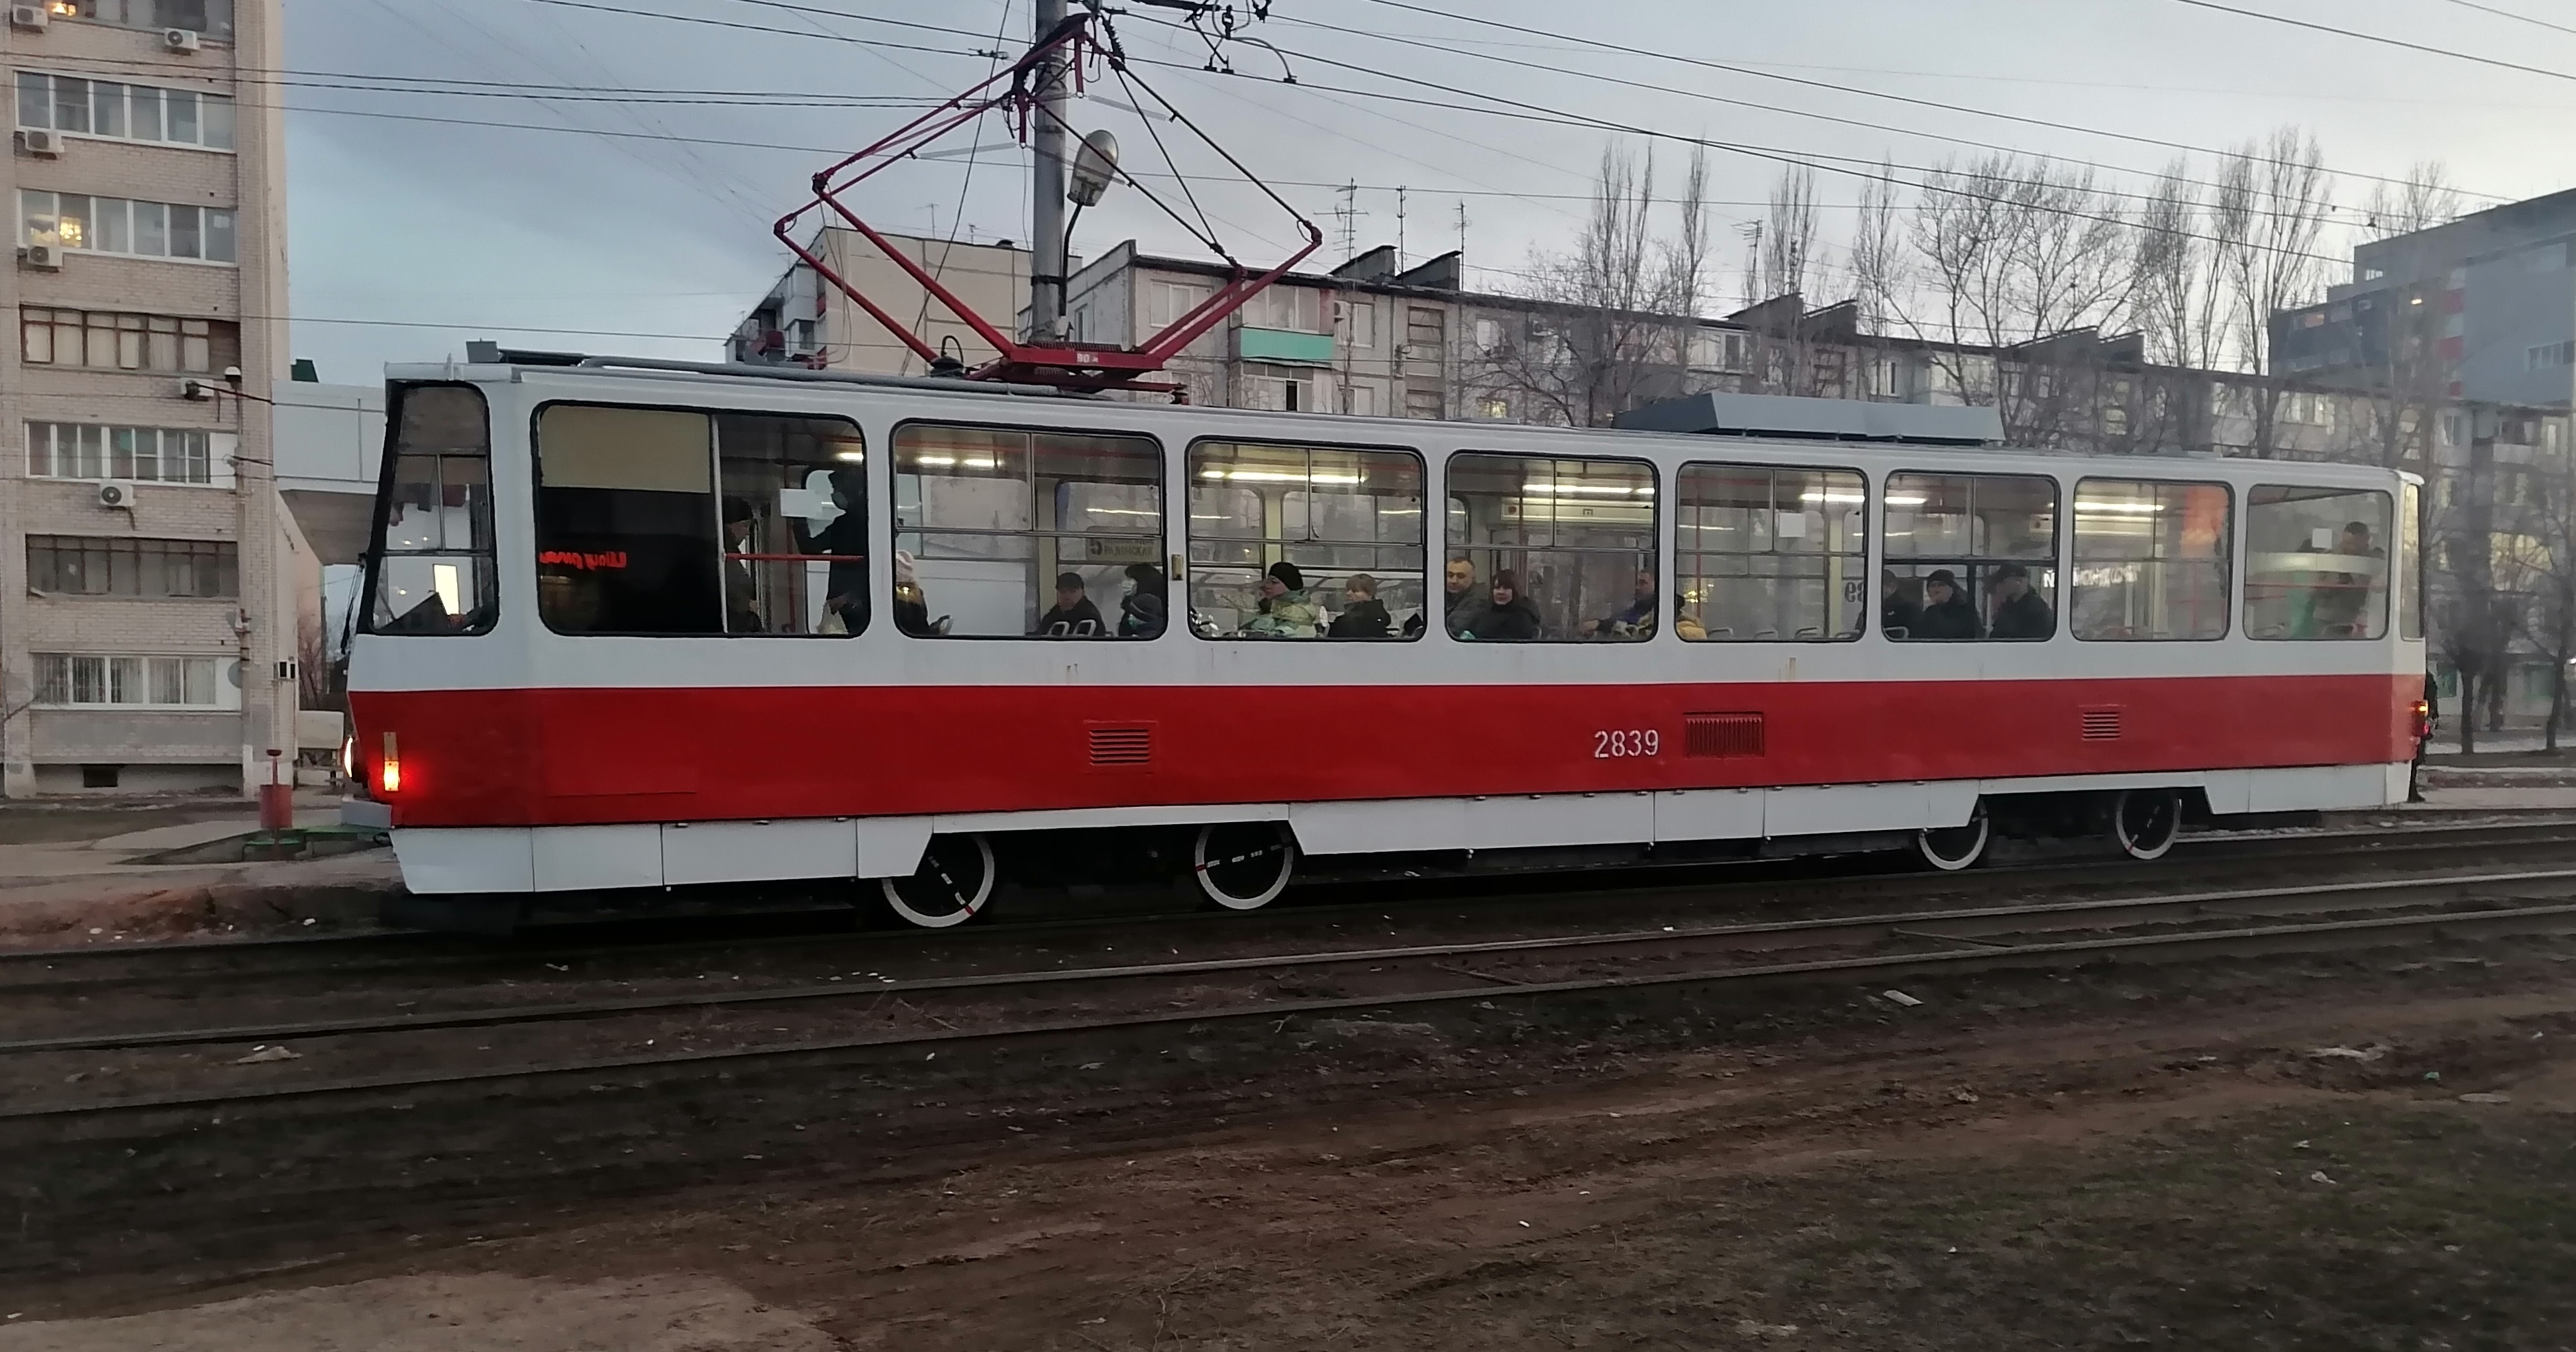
76 872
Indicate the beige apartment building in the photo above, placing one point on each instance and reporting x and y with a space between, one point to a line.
151 584
807 321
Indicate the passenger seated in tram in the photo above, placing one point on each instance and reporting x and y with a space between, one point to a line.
1510 618
1285 610
742 589
2020 613
1898 614
1465 602
1074 616
1946 613
1146 606
1635 622
1363 615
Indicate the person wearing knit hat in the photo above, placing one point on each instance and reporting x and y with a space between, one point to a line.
1285 611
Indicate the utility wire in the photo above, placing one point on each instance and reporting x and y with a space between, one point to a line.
2509 14
2383 40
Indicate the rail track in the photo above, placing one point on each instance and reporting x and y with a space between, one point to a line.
600 1037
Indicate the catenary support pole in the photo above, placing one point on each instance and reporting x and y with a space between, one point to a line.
1046 192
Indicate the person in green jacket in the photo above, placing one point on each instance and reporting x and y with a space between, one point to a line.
1285 610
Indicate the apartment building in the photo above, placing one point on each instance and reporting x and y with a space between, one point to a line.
152 586
807 321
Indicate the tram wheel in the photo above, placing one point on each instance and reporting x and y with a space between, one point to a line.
1243 866
1952 848
950 888
2145 822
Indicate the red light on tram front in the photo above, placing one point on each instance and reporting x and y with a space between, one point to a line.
389 775
2423 719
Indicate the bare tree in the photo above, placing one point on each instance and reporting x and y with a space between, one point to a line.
1614 317
2270 208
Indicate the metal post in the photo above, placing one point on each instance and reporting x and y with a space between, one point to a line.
1046 193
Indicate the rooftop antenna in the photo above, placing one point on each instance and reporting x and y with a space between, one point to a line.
1348 215
1462 237
1399 228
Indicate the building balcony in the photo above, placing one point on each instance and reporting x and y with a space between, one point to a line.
1283 347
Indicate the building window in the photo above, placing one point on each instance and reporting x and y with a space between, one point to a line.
1029 533
1489 335
165 455
1422 401
1360 400
214 18
1359 323
84 565
98 681
113 225
2150 560
2548 355
1305 542
104 341
124 112
1300 308
1425 331
1281 389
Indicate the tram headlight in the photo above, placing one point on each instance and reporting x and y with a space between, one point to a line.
349 758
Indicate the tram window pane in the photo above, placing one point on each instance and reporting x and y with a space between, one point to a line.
2150 560
1305 542
1768 554
626 521
2316 563
1004 533
1577 538
2410 558
795 496
1970 556
433 574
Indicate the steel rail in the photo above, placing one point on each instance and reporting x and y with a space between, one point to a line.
1822 929
2554 918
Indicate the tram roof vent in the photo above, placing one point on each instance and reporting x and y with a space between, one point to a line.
1775 415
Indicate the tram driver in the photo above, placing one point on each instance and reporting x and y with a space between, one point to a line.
1074 616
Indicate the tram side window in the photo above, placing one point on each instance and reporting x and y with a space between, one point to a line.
1004 533
795 494
1970 556
1305 542
2317 563
626 521
1768 554
2150 560
1550 551
434 572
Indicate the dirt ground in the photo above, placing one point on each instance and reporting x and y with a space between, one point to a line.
2370 1151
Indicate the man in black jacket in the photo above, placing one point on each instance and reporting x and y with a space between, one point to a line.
1074 616
2020 613
1946 614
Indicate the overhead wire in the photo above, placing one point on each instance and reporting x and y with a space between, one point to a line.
2380 38
2509 14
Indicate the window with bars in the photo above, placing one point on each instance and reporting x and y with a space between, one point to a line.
124 112
104 681
114 225
151 454
107 341
88 565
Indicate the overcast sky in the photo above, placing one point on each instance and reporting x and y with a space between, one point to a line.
643 226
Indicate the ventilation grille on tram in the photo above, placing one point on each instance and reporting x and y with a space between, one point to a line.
2101 725
1722 734
1122 746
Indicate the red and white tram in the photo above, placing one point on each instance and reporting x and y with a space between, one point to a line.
634 624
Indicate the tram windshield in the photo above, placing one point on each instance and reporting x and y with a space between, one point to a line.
432 571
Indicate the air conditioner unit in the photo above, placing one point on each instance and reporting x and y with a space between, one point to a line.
116 493
179 39
42 257
36 141
29 16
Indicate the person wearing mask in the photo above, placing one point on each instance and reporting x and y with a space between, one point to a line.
1146 604
1074 616
1946 612
1363 615
1894 610
1509 617
2020 613
1285 610
1635 622
845 538
1464 602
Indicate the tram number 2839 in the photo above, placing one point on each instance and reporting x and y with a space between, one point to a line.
1618 744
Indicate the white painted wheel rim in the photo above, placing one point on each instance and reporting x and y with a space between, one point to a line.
1953 861
1211 854
2157 839
965 903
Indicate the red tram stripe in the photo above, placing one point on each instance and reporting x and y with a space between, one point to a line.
568 756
